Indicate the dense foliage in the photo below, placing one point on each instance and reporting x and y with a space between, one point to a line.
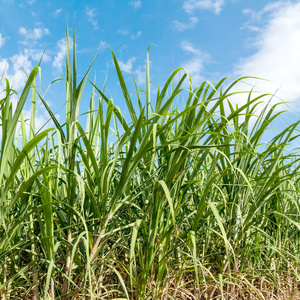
176 201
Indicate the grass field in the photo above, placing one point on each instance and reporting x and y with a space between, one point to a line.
188 201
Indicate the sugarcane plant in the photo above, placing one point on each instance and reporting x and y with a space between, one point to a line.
188 196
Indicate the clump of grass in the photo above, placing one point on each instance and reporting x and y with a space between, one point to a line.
185 202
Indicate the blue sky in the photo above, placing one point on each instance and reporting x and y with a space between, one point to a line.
212 39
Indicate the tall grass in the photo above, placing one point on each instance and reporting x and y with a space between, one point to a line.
183 202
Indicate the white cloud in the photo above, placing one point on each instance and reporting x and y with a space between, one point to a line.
277 57
61 54
127 67
123 47
138 72
140 75
17 65
259 18
14 69
2 40
123 31
194 65
36 55
32 35
136 4
4 64
136 36
92 14
102 46
132 36
30 2
190 6
193 21
189 48
57 12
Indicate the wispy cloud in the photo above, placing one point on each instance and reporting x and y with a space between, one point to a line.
127 67
136 4
102 46
92 14
32 35
132 36
191 6
18 65
123 31
37 54
193 21
19 62
4 65
189 48
277 55
136 36
123 47
258 19
139 72
61 54
2 40
140 75
14 69
195 64
57 12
